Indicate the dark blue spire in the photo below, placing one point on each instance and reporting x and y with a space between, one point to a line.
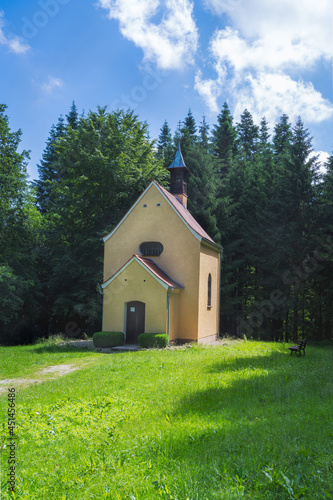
178 161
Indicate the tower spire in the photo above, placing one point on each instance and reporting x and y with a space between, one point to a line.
178 181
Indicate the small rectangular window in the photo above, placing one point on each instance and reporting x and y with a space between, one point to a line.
158 204
145 205
209 295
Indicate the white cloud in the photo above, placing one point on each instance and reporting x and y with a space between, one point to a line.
13 42
271 94
306 25
170 43
266 44
322 158
209 90
51 84
264 53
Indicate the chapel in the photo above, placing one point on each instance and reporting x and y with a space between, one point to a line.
161 269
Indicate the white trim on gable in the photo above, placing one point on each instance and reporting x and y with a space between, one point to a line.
195 234
127 213
134 258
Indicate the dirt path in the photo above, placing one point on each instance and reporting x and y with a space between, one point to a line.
57 370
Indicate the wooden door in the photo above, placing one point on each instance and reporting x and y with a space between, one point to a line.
135 321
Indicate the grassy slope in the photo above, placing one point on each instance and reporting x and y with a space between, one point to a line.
241 421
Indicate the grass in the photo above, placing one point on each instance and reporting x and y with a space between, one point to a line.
243 420
23 361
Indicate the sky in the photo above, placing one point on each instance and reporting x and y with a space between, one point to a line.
161 58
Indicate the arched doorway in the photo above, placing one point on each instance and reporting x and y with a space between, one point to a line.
135 321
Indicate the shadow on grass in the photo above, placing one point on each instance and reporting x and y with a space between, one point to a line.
74 349
276 360
254 432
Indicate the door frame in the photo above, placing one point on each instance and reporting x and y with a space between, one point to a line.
126 306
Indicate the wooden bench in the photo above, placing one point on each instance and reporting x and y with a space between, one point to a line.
298 348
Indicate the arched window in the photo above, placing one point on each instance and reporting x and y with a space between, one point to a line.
151 248
209 294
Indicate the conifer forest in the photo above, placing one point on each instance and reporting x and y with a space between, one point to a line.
259 191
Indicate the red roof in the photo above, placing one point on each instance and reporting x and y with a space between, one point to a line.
185 214
181 210
152 267
159 273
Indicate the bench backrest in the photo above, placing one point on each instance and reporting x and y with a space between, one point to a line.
302 343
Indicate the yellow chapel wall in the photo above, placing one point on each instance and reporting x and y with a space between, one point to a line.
135 283
174 313
209 316
180 258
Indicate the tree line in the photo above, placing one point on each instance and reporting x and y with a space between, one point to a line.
260 195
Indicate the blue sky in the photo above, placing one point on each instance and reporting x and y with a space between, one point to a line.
162 57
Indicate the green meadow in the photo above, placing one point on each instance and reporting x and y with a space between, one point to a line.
243 419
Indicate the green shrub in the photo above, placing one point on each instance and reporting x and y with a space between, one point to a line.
153 340
108 339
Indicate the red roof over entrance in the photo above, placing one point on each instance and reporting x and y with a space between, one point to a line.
151 267
159 273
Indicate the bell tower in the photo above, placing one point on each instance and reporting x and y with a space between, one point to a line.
178 180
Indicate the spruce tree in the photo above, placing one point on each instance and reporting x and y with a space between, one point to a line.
188 134
322 293
224 140
73 116
204 134
202 189
19 234
165 146
247 136
48 168
282 137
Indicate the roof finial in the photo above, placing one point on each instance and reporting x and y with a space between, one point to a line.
179 131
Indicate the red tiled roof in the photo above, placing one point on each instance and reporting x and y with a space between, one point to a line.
185 214
152 267
182 211
159 273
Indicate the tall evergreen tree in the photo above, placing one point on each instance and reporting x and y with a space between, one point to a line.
247 136
165 146
47 169
321 310
188 134
19 232
282 137
204 134
224 140
190 125
264 146
293 214
202 189
73 116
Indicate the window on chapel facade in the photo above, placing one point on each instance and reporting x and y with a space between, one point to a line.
209 294
151 248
